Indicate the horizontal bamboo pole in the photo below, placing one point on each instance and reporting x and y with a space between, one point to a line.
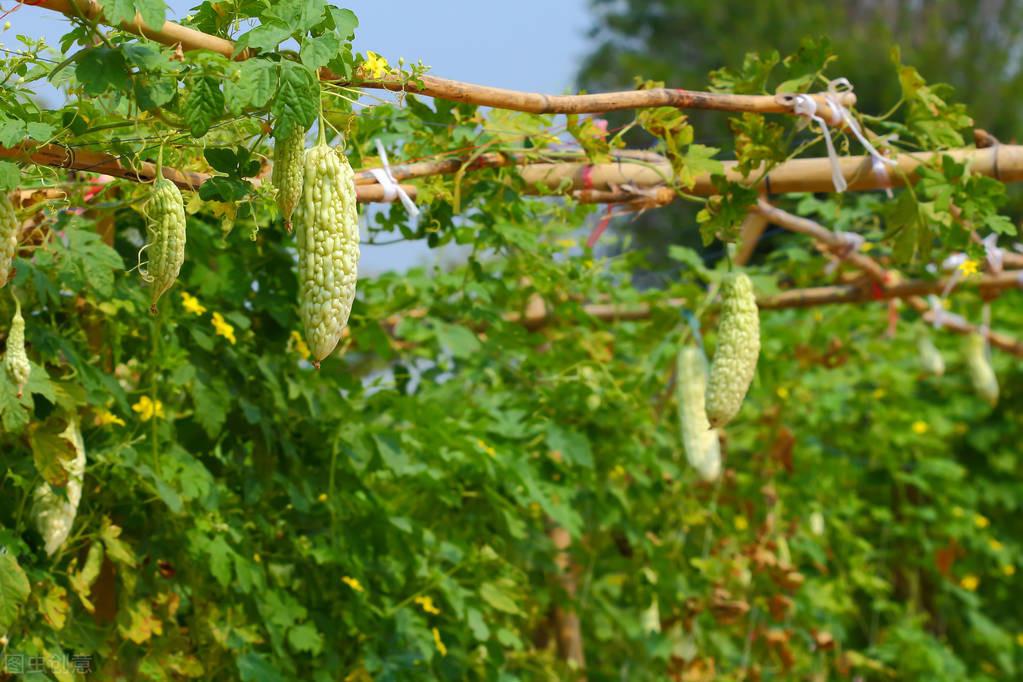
107 164
539 316
1003 162
881 277
481 95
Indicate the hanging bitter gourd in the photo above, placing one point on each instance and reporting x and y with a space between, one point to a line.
930 356
287 172
165 252
8 237
735 358
327 232
54 515
981 373
15 359
703 449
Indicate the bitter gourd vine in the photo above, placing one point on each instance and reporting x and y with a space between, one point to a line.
703 449
8 237
15 359
54 515
981 373
287 172
327 233
735 358
165 220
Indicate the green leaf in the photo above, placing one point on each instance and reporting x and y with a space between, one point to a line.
12 132
264 37
461 342
299 15
497 596
305 638
219 188
10 175
317 52
100 69
123 11
14 589
251 84
204 106
572 445
253 667
298 99
344 20
53 449
152 92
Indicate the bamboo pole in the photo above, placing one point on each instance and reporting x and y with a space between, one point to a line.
882 278
793 298
1004 163
626 180
481 95
107 164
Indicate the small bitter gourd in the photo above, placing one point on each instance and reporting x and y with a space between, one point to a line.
53 514
735 358
703 449
981 373
15 359
165 251
287 172
8 237
930 356
327 232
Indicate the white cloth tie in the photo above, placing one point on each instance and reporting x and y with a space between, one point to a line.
993 252
392 190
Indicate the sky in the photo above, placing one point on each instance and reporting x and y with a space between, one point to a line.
531 45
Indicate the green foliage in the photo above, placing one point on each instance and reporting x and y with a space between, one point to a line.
247 517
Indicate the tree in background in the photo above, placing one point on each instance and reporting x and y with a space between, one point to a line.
973 46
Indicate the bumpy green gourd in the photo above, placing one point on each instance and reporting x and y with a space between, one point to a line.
8 237
53 514
735 359
15 359
287 172
703 449
327 231
165 251
930 356
981 374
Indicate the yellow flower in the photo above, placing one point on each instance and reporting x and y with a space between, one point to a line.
995 545
375 65
919 428
968 267
223 328
299 344
1019 639
783 393
957 512
147 409
1008 570
105 418
258 559
352 583
440 645
970 582
486 448
191 304
879 393
322 497
427 604
981 521
740 523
